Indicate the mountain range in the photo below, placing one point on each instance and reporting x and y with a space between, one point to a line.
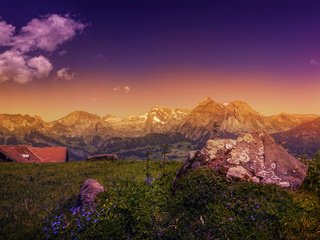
85 133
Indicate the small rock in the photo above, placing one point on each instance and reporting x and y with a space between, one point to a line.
88 192
284 184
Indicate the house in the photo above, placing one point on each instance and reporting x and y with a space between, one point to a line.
27 154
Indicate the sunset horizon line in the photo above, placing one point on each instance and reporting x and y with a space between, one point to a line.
101 115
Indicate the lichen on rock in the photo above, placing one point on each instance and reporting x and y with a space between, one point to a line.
254 157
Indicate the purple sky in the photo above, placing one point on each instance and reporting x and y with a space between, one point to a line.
271 36
85 41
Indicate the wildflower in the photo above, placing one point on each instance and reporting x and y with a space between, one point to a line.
74 210
252 217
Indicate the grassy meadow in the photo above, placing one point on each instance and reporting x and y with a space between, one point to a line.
37 202
30 192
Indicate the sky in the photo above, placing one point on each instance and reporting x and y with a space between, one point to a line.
123 57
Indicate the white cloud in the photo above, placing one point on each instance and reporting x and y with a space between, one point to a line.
6 33
127 89
64 74
22 69
40 65
314 62
116 89
47 33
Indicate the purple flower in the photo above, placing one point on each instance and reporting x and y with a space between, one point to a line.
252 217
74 210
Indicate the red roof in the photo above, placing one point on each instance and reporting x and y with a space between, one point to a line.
34 154
50 154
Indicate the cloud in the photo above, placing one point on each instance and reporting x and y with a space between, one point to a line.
64 74
6 33
62 53
40 65
314 62
127 89
47 33
22 69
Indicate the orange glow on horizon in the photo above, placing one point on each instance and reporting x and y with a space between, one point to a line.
266 94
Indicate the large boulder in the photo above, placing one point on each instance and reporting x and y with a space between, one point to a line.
253 157
88 192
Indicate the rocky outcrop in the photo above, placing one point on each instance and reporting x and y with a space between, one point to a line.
253 157
88 192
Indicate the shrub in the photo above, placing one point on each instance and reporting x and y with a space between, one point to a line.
312 181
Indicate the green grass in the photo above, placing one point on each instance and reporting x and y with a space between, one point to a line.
36 202
30 192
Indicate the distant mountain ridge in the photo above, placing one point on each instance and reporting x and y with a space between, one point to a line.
86 133
235 117
303 139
